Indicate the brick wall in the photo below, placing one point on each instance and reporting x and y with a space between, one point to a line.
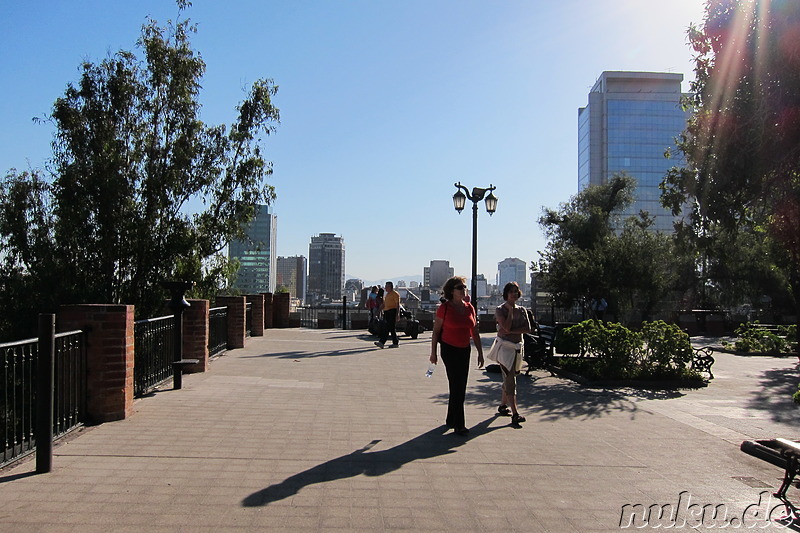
236 319
109 357
268 322
257 308
195 335
280 309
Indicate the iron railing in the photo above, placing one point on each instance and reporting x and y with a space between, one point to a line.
18 391
154 351
248 319
69 396
19 373
217 330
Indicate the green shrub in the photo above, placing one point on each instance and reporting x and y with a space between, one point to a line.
754 338
660 351
796 396
614 346
667 347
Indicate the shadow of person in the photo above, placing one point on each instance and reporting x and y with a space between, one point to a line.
432 443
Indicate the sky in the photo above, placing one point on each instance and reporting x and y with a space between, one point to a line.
384 105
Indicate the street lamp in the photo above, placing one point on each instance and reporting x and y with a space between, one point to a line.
459 200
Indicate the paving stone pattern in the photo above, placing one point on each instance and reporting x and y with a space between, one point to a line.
318 430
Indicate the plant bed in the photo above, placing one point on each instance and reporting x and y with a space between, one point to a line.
659 356
583 370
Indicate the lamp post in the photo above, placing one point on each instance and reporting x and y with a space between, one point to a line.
459 199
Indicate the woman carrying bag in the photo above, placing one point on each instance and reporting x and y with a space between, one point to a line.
455 325
512 322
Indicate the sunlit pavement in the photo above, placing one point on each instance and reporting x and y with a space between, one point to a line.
319 430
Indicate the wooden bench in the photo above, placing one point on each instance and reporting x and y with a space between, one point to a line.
783 453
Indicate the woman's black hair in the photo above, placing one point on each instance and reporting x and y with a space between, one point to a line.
450 284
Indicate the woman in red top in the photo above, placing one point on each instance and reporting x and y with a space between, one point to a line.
456 323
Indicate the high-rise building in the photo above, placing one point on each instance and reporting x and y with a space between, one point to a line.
511 269
256 253
293 275
481 285
436 274
630 120
325 267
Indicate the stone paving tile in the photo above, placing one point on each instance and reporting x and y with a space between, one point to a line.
315 430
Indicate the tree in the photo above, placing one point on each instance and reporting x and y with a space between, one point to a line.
139 188
742 146
593 253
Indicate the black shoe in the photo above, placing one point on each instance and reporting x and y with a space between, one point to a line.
516 420
503 410
461 431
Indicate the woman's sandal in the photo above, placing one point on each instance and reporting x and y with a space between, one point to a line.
503 410
517 419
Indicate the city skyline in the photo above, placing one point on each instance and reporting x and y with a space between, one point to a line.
384 106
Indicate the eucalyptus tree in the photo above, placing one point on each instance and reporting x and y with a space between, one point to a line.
139 188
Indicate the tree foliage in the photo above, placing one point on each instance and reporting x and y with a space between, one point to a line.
742 146
592 252
139 188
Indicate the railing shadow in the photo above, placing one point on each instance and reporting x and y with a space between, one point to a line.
14 477
430 444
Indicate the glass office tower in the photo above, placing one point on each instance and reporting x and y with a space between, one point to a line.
630 120
256 253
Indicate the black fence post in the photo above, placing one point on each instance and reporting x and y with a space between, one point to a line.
178 304
45 365
344 312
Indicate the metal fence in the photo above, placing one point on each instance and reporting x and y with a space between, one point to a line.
327 317
18 391
154 350
248 319
217 330
69 396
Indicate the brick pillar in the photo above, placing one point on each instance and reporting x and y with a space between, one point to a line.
280 309
268 322
109 357
237 326
257 306
195 335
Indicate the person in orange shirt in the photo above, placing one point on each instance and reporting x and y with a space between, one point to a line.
391 308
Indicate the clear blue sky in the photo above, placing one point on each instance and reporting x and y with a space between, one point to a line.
384 105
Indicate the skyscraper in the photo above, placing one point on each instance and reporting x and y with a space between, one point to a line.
293 275
436 274
325 267
511 269
630 120
256 253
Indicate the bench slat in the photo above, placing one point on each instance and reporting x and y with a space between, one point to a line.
789 445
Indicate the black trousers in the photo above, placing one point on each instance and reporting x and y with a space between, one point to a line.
456 362
390 316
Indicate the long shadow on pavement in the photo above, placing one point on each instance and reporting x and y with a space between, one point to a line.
554 398
432 443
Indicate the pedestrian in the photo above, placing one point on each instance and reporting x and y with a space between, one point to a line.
372 303
456 323
512 322
379 303
391 306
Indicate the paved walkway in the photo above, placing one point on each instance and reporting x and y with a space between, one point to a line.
317 430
